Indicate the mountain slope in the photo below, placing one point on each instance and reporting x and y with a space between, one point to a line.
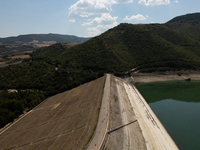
59 67
188 25
43 37
146 47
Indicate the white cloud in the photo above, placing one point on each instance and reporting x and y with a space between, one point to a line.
124 1
93 31
72 20
176 1
136 17
105 19
88 8
154 2
101 24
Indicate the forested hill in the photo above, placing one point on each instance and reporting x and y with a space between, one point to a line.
43 37
189 25
151 47
59 67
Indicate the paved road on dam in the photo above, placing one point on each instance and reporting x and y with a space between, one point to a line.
124 130
130 122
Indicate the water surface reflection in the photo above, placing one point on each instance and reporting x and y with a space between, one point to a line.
181 120
177 106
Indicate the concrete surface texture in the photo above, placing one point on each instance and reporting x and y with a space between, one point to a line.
124 130
132 123
155 135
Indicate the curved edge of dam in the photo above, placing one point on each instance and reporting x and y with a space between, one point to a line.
155 135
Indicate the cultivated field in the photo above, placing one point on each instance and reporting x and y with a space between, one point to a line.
20 57
64 121
7 63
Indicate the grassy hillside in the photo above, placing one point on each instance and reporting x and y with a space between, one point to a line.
189 25
43 37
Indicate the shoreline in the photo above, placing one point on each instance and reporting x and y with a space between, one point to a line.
147 78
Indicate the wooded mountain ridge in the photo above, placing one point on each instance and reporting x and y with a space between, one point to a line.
58 38
57 68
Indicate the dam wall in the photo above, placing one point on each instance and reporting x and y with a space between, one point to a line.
155 135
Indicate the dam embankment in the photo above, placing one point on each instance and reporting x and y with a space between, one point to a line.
132 123
154 133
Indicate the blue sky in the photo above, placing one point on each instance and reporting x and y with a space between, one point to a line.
85 18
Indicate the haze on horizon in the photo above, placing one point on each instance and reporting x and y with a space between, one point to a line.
85 18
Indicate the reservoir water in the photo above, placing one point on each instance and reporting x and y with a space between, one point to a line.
177 106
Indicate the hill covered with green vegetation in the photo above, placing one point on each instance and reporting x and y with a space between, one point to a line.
147 48
188 25
43 37
36 79
57 68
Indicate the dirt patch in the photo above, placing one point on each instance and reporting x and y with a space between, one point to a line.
28 51
2 63
145 78
72 44
61 122
36 43
7 63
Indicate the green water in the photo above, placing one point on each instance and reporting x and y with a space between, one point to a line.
177 106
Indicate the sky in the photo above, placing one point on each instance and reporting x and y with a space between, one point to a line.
85 18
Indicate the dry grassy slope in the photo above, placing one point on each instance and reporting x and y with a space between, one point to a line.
64 121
